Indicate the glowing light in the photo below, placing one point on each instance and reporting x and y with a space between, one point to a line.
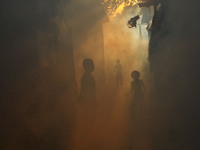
115 7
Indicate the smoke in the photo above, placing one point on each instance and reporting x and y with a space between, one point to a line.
128 45
107 41
43 44
170 105
37 75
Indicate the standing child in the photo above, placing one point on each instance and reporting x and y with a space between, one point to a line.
88 88
137 89
87 96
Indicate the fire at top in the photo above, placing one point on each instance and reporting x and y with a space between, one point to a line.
114 7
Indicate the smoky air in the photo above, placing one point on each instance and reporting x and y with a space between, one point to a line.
99 75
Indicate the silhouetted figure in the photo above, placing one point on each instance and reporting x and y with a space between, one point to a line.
87 97
88 87
119 76
137 97
137 89
159 30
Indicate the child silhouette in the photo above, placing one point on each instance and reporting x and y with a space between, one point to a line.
88 88
137 89
87 97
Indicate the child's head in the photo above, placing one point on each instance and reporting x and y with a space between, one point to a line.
88 65
118 61
135 75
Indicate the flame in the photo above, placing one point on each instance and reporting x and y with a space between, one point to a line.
115 7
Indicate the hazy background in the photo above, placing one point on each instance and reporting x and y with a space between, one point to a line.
42 45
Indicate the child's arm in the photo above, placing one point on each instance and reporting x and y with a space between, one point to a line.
131 91
143 86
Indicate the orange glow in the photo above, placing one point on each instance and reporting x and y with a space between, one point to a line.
115 7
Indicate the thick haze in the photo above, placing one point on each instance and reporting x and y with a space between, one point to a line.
42 46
